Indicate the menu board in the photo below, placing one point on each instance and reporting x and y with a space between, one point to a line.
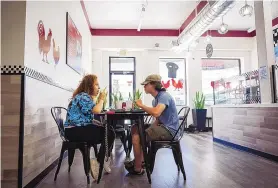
172 72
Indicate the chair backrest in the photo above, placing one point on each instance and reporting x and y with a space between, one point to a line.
180 131
148 119
59 115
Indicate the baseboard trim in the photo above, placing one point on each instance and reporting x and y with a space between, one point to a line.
44 173
249 150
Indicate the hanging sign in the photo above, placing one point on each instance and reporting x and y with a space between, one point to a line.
209 50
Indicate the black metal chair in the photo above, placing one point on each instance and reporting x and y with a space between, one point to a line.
173 144
70 146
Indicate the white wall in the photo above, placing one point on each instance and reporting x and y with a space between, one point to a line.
147 58
53 15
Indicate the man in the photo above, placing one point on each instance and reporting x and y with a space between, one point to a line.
165 125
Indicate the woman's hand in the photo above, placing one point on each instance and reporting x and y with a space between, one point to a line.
102 95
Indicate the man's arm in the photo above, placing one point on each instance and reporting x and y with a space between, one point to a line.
154 111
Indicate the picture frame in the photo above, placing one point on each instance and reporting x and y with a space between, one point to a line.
73 46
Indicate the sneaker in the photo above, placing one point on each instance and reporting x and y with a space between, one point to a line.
94 168
107 165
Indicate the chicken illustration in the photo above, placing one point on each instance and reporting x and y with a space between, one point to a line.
44 44
174 83
178 85
56 52
166 85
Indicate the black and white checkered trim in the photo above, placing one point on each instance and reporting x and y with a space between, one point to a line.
41 77
251 74
275 37
12 69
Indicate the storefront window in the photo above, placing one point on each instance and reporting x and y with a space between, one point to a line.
216 69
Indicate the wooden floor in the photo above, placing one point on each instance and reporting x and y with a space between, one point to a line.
207 164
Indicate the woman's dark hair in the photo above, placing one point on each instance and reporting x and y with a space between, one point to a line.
158 86
86 85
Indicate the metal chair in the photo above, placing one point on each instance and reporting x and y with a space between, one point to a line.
70 146
173 144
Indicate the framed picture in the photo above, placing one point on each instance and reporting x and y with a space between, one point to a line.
73 46
172 72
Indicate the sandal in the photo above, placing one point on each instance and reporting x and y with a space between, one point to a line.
130 164
132 171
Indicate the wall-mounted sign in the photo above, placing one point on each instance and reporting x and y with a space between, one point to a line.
209 50
263 73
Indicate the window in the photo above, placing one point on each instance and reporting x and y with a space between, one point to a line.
122 76
215 69
172 72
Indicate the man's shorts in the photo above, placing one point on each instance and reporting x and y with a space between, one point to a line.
158 132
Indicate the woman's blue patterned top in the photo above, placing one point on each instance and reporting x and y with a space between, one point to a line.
80 110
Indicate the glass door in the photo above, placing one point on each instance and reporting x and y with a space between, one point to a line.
122 83
122 77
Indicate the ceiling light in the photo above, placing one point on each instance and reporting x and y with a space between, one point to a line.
246 10
223 29
208 38
141 17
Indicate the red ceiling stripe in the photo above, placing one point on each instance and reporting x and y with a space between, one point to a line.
189 19
275 21
231 33
134 32
85 13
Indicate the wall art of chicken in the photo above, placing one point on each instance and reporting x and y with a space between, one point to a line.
177 85
56 53
165 85
44 43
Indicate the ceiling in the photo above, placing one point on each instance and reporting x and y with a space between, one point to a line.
126 14
236 22
159 14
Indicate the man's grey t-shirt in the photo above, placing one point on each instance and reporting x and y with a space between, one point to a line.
169 117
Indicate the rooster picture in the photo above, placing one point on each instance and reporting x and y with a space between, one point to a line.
165 85
56 53
44 44
178 85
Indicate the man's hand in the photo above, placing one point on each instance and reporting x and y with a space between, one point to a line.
139 103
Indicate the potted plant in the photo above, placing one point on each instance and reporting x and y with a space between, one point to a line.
199 114
114 99
137 95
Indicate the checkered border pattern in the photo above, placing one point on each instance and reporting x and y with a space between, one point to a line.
41 77
275 37
254 73
253 100
19 69
12 69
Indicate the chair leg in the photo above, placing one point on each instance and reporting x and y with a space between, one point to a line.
71 153
176 158
84 150
123 139
152 152
101 156
129 142
63 149
179 153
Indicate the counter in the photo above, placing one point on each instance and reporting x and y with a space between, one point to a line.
249 127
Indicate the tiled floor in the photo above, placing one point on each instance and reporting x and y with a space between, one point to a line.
207 165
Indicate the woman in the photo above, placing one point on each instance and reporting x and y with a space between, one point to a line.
80 125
